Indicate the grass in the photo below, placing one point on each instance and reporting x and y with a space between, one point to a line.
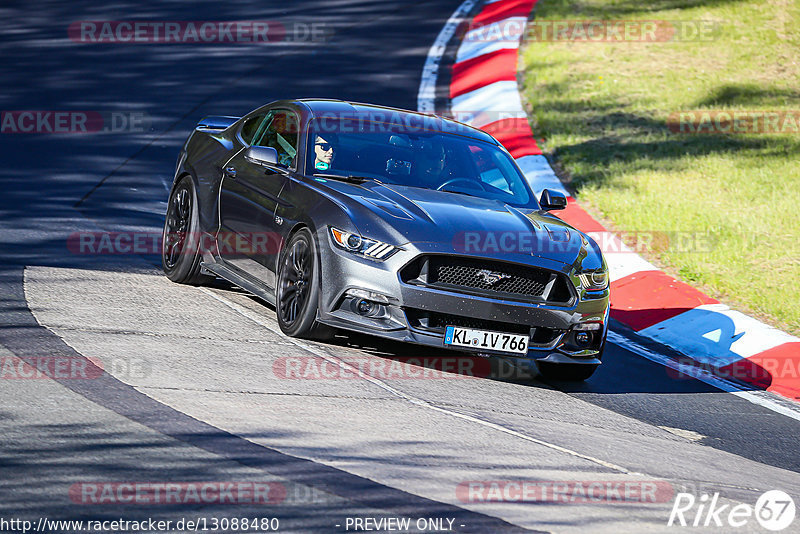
602 109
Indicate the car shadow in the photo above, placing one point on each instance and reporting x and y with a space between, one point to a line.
624 370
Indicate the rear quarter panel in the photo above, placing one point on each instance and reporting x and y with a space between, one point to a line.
203 157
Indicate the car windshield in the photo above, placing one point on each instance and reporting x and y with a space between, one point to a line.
423 158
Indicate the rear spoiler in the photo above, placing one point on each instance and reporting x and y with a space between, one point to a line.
216 123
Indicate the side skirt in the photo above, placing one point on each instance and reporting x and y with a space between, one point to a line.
235 278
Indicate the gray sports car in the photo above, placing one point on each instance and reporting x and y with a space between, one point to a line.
387 222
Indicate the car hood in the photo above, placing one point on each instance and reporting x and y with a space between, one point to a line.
453 223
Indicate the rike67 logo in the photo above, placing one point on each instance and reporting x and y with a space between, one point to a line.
774 510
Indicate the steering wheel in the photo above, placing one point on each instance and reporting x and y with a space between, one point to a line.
470 184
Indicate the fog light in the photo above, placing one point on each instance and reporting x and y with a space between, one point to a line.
370 295
583 338
364 307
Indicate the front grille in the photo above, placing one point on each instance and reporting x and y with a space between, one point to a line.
488 277
527 282
436 322
441 320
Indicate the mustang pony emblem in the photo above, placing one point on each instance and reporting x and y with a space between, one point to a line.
491 278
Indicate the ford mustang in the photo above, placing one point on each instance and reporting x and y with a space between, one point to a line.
387 222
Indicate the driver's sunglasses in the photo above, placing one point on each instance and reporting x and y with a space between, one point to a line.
325 146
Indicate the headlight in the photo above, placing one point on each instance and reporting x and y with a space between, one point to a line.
356 244
594 280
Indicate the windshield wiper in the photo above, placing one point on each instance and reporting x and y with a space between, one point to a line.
460 193
350 178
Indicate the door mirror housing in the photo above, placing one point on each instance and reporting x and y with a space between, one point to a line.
265 156
553 200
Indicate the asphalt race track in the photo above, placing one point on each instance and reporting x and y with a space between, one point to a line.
193 389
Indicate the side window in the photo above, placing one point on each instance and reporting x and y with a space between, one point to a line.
279 131
251 127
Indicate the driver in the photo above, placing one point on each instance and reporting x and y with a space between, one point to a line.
429 167
324 150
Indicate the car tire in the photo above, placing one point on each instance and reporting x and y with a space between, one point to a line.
180 240
298 289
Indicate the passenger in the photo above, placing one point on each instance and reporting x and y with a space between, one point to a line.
430 165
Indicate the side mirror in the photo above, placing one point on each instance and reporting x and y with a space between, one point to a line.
553 200
262 155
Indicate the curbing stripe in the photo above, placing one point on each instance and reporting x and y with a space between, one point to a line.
541 176
491 38
487 68
644 298
514 134
426 97
621 260
487 104
503 10
579 218
717 334
624 264
781 360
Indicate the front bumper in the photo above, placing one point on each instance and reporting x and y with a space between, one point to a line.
416 314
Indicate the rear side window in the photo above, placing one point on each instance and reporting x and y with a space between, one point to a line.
279 131
251 127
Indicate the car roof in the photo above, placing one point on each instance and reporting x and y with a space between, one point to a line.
341 108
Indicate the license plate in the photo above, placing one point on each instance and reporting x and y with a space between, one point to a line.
486 340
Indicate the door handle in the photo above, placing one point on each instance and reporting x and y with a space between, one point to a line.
230 171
